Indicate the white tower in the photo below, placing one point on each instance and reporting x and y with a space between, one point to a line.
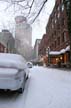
23 36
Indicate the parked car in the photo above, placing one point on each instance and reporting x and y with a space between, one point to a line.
29 64
13 72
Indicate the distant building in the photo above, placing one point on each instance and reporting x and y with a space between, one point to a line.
23 36
36 48
43 45
7 42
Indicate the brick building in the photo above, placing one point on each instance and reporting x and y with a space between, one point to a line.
7 42
57 34
43 44
36 48
2 48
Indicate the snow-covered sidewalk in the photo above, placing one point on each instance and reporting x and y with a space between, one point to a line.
49 88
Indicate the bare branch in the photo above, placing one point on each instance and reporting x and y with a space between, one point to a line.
39 11
30 8
27 6
23 7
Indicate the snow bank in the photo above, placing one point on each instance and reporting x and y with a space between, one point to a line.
62 51
68 48
54 53
12 61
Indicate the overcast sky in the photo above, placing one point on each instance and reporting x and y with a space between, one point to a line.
38 28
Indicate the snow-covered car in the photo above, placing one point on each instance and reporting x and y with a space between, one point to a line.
13 72
29 64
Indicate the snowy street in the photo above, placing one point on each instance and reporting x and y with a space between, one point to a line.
46 88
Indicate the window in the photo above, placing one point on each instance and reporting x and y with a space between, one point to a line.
52 36
58 26
62 21
52 46
64 37
55 44
58 40
54 32
58 15
52 25
68 3
58 8
55 15
55 21
62 1
63 7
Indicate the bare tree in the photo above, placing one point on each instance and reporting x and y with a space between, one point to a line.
31 9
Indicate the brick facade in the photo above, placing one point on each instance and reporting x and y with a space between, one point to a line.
43 45
57 29
2 48
57 36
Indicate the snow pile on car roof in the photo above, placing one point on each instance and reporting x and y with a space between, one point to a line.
12 61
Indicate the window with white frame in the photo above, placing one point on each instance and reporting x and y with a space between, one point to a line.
58 15
63 7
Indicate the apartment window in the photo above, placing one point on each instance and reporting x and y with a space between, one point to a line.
64 37
62 1
55 33
58 40
52 46
58 15
62 21
52 36
68 3
58 26
52 25
55 44
62 7
58 8
55 15
55 21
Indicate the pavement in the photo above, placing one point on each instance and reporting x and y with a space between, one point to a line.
60 68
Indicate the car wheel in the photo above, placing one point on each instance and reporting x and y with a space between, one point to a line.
20 90
27 77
